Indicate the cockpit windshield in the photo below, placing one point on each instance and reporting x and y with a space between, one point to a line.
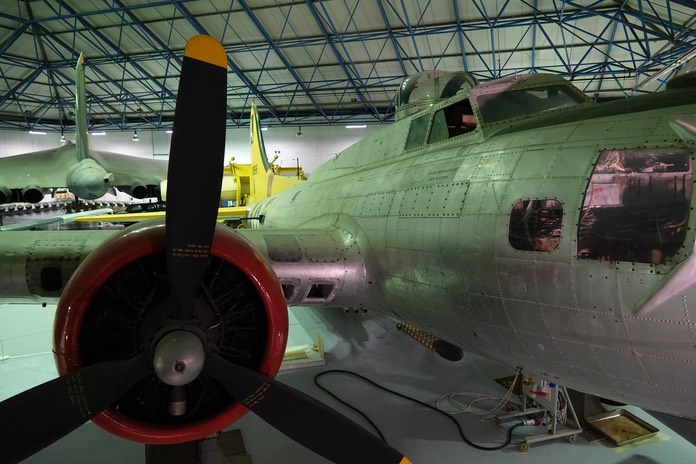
514 103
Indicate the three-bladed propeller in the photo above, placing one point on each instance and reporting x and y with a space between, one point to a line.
36 418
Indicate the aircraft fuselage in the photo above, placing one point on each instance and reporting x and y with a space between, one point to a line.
559 242
523 242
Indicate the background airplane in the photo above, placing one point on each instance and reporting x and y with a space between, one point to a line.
245 184
515 219
89 174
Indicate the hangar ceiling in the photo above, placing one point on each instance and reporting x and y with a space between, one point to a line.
319 62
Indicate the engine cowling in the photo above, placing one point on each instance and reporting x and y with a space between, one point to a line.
32 194
115 306
137 190
5 195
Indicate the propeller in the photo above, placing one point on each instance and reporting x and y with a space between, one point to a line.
301 417
180 354
196 158
73 399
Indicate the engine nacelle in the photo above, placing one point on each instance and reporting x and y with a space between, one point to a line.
32 194
115 305
136 190
5 195
88 180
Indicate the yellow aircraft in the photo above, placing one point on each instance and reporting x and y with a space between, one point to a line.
245 184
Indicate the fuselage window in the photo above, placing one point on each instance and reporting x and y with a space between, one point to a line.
636 206
417 132
535 225
451 121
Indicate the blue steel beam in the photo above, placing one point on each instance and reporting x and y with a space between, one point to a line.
407 22
254 19
339 57
106 41
650 26
240 74
460 33
391 37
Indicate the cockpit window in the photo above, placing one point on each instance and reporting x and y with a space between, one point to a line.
417 132
510 104
636 206
451 121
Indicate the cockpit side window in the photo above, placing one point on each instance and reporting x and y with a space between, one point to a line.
636 206
453 120
417 132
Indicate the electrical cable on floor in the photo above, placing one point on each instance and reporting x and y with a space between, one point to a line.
400 395
477 397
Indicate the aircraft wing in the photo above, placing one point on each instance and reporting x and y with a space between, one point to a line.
129 169
226 213
29 225
45 168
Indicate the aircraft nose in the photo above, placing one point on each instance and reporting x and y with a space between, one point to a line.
89 180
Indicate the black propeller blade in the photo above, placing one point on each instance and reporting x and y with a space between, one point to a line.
37 417
301 417
195 169
196 160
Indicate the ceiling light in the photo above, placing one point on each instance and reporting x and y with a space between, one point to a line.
356 126
33 132
135 136
169 131
299 132
97 133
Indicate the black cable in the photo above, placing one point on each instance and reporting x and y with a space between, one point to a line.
379 432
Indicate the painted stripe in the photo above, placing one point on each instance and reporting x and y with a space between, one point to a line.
205 48
405 461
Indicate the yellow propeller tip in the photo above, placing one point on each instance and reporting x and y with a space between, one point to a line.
206 48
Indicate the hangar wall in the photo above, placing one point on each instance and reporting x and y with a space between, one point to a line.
318 143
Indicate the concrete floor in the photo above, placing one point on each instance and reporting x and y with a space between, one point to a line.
368 344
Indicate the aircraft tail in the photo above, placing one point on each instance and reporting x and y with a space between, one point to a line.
261 172
258 149
263 181
82 144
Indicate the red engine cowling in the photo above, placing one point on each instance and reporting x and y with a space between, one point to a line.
115 306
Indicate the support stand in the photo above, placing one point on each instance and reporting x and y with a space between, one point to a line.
552 410
222 448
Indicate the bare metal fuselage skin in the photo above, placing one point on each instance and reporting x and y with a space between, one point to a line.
426 233
437 221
